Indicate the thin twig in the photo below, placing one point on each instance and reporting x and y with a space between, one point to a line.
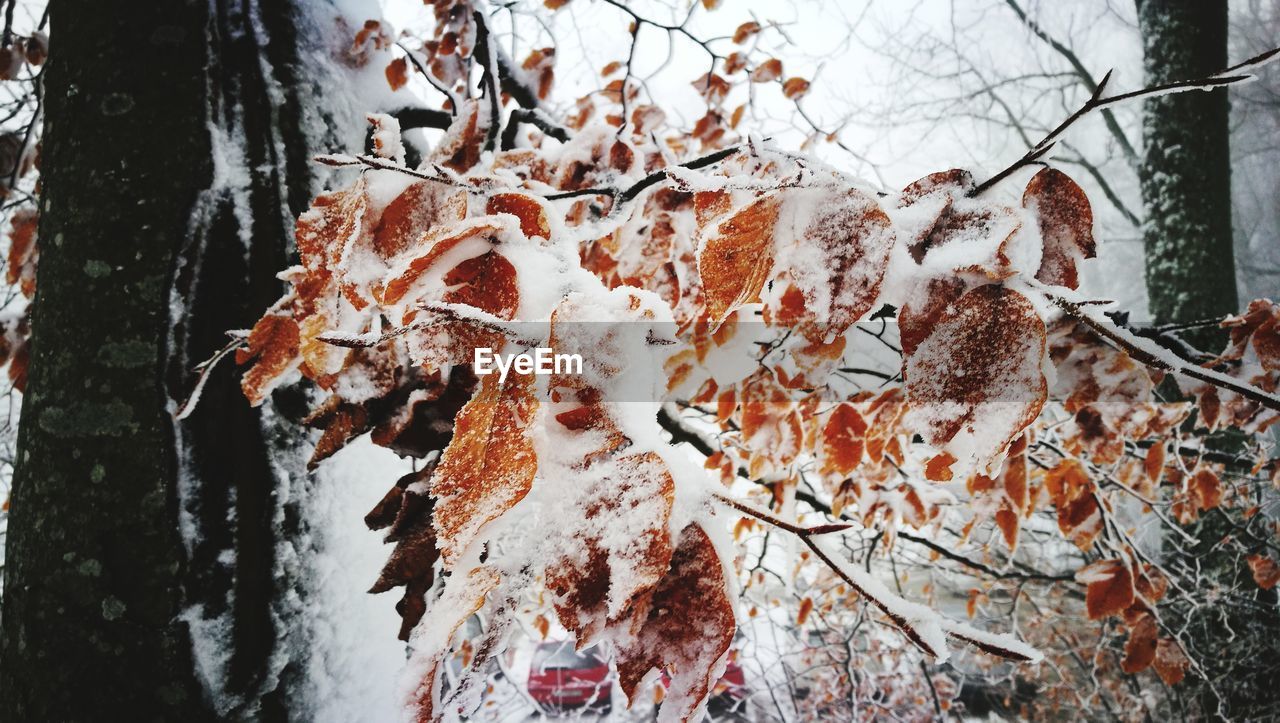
1097 101
631 192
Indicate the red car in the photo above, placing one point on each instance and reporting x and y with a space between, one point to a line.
561 677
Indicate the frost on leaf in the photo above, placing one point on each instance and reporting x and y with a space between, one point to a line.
490 464
837 260
410 268
1066 226
273 347
925 308
530 212
615 546
1109 588
462 598
414 212
737 256
689 627
975 382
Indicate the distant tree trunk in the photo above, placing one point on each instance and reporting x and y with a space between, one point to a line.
140 216
1185 172
1186 187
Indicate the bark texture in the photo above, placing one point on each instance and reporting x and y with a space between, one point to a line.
1185 172
147 105
95 563
1191 274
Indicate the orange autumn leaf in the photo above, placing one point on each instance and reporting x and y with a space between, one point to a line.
1109 588
806 607
273 346
488 466
1066 226
1153 462
1171 663
397 73
415 211
1265 571
745 30
1206 488
769 70
486 282
22 250
1140 647
738 256
938 468
689 626
843 437
795 87
437 244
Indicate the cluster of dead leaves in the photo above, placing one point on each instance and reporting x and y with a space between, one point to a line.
1116 587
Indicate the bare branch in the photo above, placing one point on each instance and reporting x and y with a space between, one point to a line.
1097 101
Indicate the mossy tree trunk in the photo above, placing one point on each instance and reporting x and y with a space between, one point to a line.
143 266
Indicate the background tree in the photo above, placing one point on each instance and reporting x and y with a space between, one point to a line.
173 174
251 527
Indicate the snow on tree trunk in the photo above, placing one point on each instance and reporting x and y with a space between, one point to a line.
1185 172
1191 274
159 555
95 567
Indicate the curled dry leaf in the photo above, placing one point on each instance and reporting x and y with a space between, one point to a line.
768 70
795 88
273 348
407 509
745 31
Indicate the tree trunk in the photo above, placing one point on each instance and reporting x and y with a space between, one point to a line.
152 246
1186 187
1186 166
